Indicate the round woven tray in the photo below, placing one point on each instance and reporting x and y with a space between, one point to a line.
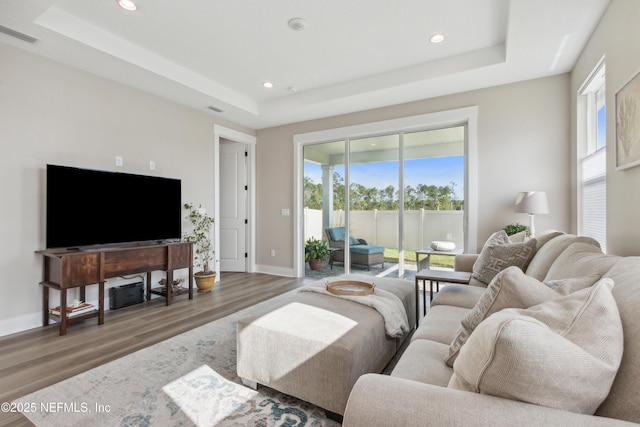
350 287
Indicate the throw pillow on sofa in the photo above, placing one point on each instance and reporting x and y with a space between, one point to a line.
563 353
498 253
511 288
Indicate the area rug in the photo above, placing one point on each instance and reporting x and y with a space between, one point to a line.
187 380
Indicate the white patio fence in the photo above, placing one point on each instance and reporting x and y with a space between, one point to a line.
380 227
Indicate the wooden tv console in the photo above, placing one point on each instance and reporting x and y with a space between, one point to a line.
65 269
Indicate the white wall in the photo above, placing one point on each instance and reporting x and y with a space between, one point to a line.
51 113
523 144
617 38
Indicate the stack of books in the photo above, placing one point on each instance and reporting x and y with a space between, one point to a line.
75 310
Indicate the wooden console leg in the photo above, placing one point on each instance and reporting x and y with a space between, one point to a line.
148 285
63 311
169 286
100 303
45 305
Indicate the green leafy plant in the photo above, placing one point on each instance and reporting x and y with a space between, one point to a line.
315 249
512 229
200 236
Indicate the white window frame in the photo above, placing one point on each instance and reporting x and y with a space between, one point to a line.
592 161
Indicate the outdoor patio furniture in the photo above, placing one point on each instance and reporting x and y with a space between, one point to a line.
361 252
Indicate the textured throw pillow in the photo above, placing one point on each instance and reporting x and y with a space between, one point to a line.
498 254
563 353
520 237
511 288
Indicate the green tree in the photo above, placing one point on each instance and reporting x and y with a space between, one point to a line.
312 194
423 196
338 191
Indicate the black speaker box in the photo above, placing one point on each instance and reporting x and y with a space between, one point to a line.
126 295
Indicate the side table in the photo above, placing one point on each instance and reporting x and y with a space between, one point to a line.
437 276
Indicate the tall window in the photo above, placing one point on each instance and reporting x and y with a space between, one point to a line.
592 197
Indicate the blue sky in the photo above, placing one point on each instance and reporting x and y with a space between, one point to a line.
433 171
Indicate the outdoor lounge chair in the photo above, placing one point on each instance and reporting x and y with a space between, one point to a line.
361 252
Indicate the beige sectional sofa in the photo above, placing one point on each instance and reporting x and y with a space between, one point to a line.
585 372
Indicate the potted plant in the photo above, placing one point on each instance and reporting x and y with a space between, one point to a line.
516 228
202 245
314 252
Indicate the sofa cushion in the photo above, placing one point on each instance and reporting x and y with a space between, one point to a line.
520 237
498 253
440 324
563 353
548 253
366 249
337 233
511 288
422 361
622 401
458 295
580 259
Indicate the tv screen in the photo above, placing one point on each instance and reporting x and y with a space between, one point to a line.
90 207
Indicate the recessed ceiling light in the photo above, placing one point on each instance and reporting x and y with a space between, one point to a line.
127 5
437 38
268 85
296 24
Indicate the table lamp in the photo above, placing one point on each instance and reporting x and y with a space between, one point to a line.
532 203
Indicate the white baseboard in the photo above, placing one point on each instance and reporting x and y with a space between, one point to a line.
20 323
34 320
276 271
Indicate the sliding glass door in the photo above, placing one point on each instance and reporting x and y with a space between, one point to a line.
323 201
374 211
375 214
434 176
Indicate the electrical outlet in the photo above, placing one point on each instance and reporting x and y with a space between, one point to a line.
152 165
119 161
273 252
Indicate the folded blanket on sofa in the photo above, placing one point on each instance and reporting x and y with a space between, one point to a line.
387 304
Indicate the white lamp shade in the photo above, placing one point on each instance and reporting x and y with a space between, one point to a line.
532 202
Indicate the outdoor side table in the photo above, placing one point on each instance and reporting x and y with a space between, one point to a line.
422 264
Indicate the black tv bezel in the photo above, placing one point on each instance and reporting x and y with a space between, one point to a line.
97 198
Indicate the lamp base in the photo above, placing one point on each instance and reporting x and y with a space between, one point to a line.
532 228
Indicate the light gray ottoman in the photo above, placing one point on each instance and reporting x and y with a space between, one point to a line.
316 346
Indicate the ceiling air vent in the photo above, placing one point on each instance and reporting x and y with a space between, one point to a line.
17 34
217 110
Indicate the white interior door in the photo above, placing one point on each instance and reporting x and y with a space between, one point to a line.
233 206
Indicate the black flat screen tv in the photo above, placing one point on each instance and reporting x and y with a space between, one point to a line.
90 207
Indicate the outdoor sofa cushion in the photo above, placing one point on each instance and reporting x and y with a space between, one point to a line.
366 249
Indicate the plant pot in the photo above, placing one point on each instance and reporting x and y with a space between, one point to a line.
315 264
204 281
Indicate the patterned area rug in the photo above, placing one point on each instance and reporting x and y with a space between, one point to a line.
187 380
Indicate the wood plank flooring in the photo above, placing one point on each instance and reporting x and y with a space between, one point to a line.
37 358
